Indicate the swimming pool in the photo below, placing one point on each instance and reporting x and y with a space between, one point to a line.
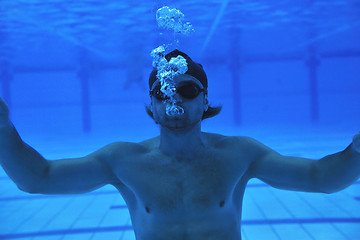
74 75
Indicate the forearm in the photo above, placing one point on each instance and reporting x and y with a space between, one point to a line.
339 170
25 166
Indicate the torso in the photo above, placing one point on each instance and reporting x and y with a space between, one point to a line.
198 198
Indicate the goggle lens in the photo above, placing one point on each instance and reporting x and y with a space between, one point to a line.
189 90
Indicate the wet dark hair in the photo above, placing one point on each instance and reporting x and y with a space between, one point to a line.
211 112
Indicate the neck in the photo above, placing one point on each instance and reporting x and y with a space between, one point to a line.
181 142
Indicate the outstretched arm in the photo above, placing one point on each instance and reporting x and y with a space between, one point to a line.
33 173
330 174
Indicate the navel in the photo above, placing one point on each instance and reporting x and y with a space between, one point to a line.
222 203
147 209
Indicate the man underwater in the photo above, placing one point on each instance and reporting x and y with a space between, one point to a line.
183 184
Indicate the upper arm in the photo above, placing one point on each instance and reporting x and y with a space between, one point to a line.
283 172
79 175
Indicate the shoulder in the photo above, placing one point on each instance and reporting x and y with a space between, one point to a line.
150 144
243 147
238 141
118 150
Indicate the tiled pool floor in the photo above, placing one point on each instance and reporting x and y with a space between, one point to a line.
268 213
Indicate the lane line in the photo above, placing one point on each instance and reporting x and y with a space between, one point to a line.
118 207
34 197
130 228
65 231
301 221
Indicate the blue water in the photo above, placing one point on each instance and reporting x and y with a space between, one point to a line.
74 75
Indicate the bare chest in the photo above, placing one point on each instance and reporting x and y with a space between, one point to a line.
206 182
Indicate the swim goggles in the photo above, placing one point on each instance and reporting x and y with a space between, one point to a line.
188 90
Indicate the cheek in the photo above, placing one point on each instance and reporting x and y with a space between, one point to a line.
158 111
195 109
200 112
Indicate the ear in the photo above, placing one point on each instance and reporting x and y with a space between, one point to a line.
206 102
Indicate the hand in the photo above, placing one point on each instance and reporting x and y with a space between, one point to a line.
4 114
356 142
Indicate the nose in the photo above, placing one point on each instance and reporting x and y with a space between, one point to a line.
177 97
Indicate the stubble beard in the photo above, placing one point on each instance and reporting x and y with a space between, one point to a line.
177 124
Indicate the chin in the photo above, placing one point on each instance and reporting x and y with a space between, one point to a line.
179 129
178 124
